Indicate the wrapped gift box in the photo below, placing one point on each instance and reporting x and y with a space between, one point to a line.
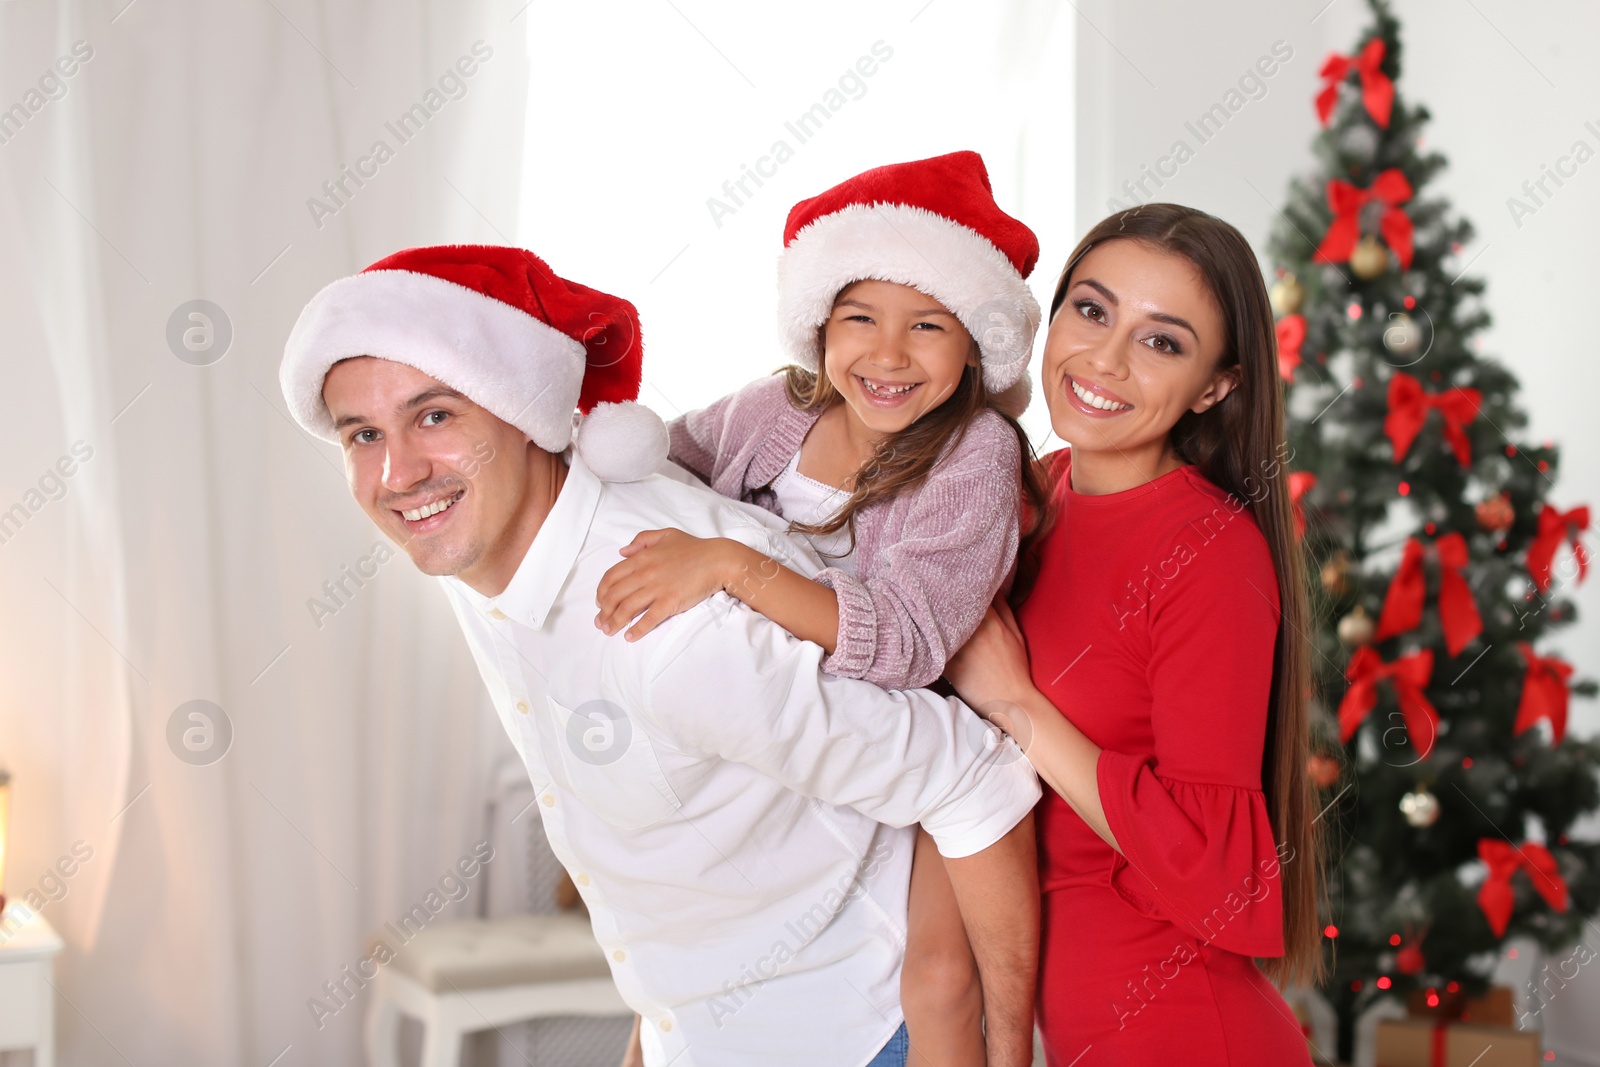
1494 1008
1441 1043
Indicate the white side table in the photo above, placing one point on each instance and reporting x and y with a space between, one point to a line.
28 948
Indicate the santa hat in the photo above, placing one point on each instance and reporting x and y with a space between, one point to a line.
500 327
933 225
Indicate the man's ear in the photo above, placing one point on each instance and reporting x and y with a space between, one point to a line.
1222 383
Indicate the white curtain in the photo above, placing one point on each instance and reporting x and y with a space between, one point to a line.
210 899
167 536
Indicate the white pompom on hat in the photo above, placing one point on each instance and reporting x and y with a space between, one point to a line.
932 224
499 326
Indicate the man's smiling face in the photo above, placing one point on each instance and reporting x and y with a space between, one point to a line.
443 478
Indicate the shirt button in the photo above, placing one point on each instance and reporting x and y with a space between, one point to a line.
522 706
496 613
582 879
666 1024
549 800
619 955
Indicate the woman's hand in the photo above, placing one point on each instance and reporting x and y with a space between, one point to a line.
666 572
992 667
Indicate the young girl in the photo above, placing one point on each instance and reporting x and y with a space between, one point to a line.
891 442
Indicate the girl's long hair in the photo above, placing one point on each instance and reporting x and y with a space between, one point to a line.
1239 445
902 461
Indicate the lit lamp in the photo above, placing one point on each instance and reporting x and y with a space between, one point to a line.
5 821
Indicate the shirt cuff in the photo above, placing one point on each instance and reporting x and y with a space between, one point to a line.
988 811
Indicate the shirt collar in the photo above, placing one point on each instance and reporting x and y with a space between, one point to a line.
529 595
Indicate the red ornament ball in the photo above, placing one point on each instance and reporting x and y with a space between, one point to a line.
1323 771
1409 960
1495 513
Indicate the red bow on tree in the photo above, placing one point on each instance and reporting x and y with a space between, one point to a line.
1346 201
1504 859
1408 410
1377 91
1291 335
1410 674
1300 483
1458 611
1555 527
1544 693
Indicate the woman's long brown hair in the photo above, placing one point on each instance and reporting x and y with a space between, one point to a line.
1239 445
902 461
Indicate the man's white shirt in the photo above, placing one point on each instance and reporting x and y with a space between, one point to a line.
738 823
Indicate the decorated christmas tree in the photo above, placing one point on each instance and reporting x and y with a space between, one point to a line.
1441 558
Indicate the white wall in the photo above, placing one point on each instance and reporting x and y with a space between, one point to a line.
1510 90
617 188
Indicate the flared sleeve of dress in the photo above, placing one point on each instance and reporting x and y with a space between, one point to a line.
1197 848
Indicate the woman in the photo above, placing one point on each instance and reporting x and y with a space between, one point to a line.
1166 702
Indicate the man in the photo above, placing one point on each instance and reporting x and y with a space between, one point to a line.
736 820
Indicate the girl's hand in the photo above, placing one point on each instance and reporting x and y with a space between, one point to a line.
992 667
666 572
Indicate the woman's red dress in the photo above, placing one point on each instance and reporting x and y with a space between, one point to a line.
1151 626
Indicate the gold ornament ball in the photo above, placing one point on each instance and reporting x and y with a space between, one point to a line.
1420 807
1287 295
1336 574
1356 629
1402 337
1370 258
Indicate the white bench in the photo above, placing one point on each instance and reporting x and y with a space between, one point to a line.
458 977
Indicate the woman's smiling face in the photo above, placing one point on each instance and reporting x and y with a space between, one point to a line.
1135 344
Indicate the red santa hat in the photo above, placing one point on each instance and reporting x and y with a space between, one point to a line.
500 327
933 225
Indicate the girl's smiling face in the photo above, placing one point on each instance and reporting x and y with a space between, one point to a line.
894 353
1135 344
